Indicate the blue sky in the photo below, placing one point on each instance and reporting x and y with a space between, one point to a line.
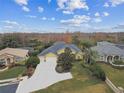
61 15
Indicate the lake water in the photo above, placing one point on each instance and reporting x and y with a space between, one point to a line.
9 88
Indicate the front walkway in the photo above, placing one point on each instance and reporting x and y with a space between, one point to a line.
44 76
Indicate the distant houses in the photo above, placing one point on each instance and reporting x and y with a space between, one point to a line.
58 48
109 52
11 55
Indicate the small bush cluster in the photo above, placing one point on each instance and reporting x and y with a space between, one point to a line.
32 61
97 71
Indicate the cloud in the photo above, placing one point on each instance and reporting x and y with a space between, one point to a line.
97 20
22 2
69 6
116 2
48 19
120 26
43 18
49 1
9 25
26 9
77 20
113 3
67 12
8 22
53 19
105 13
31 16
106 5
97 14
40 9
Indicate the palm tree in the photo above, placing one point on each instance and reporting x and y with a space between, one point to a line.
85 47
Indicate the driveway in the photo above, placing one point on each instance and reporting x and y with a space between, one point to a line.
44 76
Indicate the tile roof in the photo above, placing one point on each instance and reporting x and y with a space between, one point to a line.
57 46
14 51
108 49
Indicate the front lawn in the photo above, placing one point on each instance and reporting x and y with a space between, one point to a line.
81 83
12 73
115 75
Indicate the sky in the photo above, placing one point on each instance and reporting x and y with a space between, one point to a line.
61 15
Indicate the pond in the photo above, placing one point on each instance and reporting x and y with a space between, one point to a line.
9 88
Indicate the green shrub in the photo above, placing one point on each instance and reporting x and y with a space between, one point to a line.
97 71
59 69
32 61
35 53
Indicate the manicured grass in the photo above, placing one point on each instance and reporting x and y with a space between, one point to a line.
119 62
115 75
12 73
81 83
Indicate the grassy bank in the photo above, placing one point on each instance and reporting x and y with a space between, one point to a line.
115 75
12 73
81 83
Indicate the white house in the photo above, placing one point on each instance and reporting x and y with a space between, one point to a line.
11 55
108 52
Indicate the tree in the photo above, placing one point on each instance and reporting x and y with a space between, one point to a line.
32 61
64 62
89 54
10 40
75 40
86 44
47 45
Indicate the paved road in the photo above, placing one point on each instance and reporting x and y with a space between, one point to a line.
9 88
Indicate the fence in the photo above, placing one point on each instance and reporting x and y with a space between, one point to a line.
113 87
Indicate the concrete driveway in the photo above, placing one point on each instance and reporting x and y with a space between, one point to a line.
44 76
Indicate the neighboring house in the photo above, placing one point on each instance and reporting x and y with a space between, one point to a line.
12 55
120 46
30 49
108 52
58 48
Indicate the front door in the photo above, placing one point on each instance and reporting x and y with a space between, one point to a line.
8 61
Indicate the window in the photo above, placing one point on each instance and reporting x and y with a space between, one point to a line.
102 58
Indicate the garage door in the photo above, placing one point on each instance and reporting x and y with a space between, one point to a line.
50 55
48 58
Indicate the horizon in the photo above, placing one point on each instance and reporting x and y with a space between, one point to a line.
60 32
60 16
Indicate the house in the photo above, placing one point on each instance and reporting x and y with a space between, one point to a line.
108 52
58 48
12 55
30 49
